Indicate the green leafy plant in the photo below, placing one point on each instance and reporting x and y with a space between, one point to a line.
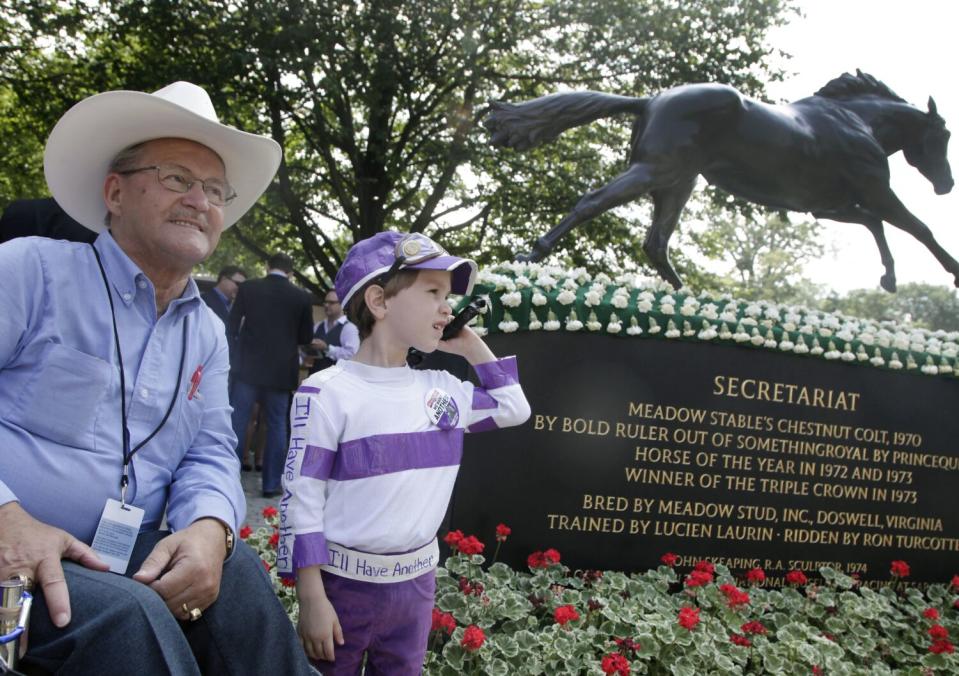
491 619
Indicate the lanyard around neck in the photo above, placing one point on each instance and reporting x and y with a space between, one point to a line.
128 452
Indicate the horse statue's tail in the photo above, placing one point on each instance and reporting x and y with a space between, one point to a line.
527 125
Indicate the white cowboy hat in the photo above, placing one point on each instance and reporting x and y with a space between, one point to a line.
90 134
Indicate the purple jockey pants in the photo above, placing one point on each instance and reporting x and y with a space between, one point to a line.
390 623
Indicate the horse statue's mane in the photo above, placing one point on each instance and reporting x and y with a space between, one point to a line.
848 86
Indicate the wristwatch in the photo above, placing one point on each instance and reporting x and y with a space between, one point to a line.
230 540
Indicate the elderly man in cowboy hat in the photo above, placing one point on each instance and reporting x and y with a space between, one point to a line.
114 414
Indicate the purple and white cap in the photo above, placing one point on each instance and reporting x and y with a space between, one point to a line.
389 251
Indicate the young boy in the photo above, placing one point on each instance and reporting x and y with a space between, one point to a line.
374 452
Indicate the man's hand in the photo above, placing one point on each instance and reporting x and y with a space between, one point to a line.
185 568
30 547
319 344
318 626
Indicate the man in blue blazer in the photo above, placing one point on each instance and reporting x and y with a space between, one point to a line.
220 298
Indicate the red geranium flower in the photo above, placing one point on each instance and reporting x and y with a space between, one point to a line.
756 576
287 582
270 511
443 621
735 597
955 581
542 559
274 540
266 565
473 638
816 671
502 532
937 632
828 636
705 567
565 614
470 545
899 569
930 614
698 578
796 577
940 647
245 532
669 559
688 617
753 627
453 538
739 639
614 663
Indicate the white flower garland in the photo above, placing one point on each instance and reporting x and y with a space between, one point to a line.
719 318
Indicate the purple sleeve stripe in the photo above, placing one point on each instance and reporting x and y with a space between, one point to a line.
483 400
389 453
306 389
317 463
500 373
309 549
484 425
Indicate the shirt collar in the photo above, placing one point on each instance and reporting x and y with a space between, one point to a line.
278 273
400 375
127 277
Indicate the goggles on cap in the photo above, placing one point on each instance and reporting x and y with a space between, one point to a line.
413 249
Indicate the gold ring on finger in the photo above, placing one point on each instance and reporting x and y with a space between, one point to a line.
25 580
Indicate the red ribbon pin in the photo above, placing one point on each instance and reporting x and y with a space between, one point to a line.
195 381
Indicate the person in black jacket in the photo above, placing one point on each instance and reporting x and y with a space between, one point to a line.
220 298
41 217
269 320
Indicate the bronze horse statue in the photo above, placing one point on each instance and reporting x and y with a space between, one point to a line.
825 154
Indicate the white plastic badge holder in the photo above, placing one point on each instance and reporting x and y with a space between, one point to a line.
116 534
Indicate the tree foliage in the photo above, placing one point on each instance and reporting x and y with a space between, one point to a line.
758 259
377 103
926 305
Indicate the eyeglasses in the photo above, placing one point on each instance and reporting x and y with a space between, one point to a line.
331 302
219 193
236 281
412 249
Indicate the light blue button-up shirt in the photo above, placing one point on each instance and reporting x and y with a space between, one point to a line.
60 423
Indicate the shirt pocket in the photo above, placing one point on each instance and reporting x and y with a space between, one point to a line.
190 417
62 399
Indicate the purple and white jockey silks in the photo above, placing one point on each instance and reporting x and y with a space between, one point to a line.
373 456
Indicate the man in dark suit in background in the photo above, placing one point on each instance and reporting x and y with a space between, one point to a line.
269 319
220 298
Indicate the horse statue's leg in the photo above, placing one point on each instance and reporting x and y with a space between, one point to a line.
855 214
668 205
884 203
632 183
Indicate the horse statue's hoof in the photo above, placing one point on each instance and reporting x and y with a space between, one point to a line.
535 255
888 282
